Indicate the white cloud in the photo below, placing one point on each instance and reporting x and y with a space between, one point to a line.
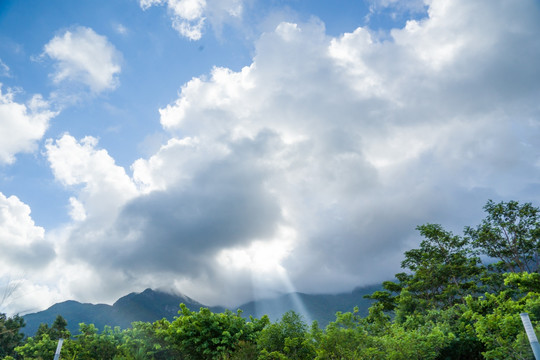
23 244
17 227
400 5
121 29
4 69
25 296
105 185
189 16
21 125
85 57
145 4
77 211
175 164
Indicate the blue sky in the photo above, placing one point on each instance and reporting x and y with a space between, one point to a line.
237 149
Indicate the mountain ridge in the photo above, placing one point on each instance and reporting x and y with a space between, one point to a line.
151 305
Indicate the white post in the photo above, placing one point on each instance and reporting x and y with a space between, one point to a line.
533 340
58 348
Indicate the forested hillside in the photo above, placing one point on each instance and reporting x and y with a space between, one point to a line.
147 306
459 297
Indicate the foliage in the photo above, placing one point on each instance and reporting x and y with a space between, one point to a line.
286 339
441 272
346 337
498 325
377 337
38 348
10 337
510 233
43 345
58 329
148 341
206 335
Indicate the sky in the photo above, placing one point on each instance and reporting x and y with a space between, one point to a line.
232 150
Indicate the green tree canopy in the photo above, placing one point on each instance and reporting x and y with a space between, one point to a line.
207 335
441 272
10 337
510 233
286 339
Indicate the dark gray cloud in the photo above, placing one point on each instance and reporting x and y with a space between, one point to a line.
32 257
180 230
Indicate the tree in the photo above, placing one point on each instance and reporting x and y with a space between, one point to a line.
350 335
58 329
207 335
10 337
39 348
441 272
510 233
376 337
286 339
89 344
497 322
444 269
148 341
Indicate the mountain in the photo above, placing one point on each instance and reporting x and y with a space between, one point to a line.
151 305
73 311
320 307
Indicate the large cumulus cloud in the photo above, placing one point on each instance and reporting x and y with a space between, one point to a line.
189 16
332 148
